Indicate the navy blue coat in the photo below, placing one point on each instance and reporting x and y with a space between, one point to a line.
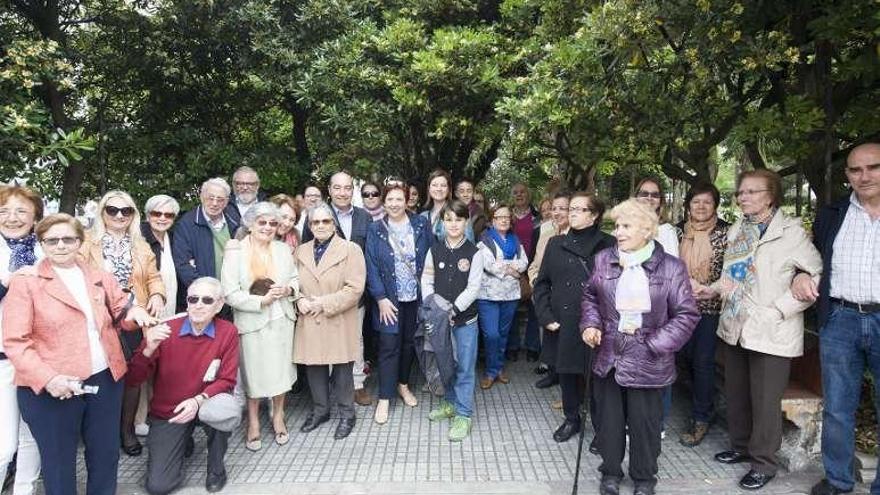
381 281
192 247
825 229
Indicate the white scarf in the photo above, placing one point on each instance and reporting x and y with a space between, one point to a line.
633 295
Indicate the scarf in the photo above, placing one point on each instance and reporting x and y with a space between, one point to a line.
378 213
509 245
321 248
22 251
696 249
117 255
633 296
740 273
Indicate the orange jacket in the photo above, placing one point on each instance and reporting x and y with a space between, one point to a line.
44 330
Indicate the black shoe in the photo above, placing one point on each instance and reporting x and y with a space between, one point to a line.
512 355
731 457
644 489
754 480
313 422
548 381
343 429
532 356
541 369
825 487
609 486
567 430
215 482
190 448
594 448
133 450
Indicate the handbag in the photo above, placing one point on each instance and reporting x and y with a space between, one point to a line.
525 288
127 350
261 286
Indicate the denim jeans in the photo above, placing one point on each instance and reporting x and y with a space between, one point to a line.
847 343
533 332
496 320
461 395
699 354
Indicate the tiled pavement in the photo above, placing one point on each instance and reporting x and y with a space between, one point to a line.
510 451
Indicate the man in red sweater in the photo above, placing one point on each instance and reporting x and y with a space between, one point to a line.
193 362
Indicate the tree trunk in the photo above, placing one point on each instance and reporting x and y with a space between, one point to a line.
300 139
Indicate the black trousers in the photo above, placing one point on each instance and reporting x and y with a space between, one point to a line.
167 443
638 411
754 383
572 386
320 378
397 351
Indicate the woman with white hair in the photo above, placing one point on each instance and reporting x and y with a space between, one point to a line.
161 211
638 311
115 244
260 282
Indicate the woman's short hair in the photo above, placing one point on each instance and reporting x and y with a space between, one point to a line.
596 204
457 208
640 213
771 178
134 228
699 188
159 201
261 209
396 186
25 193
57 219
324 207
499 206
285 199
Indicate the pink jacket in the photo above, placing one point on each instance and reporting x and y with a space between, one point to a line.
44 330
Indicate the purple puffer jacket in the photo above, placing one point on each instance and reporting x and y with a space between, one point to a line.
645 359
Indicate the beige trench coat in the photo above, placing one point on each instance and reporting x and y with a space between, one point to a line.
775 321
338 282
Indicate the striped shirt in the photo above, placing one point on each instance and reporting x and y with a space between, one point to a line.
855 265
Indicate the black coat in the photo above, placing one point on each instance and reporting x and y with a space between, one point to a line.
829 219
558 292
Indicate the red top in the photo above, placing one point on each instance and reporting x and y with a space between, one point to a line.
523 228
178 366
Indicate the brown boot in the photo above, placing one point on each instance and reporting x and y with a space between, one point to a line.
362 397
502 377
695 436
486 382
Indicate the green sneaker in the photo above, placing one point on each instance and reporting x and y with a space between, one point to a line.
461 427
443 411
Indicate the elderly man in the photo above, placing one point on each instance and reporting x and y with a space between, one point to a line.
193 361
847 234
352 225
200 235
311 197
246 188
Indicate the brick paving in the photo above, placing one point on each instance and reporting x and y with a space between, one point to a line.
510 451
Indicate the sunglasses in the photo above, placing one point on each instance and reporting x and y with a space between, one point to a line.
323 221
371 194
113 211
163 214
53 241
206 300
262 223
646 194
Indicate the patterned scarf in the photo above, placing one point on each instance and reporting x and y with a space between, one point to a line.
696 249
633 295
22 251
118 255
509 244
739 259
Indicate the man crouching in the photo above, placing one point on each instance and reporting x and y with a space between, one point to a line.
193 361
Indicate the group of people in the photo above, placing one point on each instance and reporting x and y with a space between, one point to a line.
287 289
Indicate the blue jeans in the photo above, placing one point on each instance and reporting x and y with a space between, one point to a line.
496 319
461 395
699 353
847 343
533 333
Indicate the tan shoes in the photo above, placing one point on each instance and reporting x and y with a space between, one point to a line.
503 377
486 382
381 415
408 398
362 397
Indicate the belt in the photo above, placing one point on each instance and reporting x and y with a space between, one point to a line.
863 308
3 356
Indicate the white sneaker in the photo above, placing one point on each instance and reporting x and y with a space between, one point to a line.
381 415
408 398
142 430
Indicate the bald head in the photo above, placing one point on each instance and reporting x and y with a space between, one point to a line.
863 172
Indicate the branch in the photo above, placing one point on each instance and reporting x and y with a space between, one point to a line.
88 20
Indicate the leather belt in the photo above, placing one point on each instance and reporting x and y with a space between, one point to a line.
860 307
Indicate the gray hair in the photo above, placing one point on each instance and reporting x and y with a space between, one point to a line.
261 209
322 206
641 214
245 169
213 283
160 200
217 182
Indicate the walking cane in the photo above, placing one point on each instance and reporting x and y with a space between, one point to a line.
587 378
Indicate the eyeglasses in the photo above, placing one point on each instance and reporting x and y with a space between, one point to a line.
371 194
560 208
18 212
163 214
246 184
501 217
53 241
323 221
206 300
312 195
216 199
580 210
113 211
748 192
648 194
271 223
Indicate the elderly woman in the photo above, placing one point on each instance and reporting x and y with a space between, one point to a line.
762 324
639 311
396 250
289 214
332 276
260 282
504 262
115 244
60 332
559 288
702 245
161 210
372 197
20 207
